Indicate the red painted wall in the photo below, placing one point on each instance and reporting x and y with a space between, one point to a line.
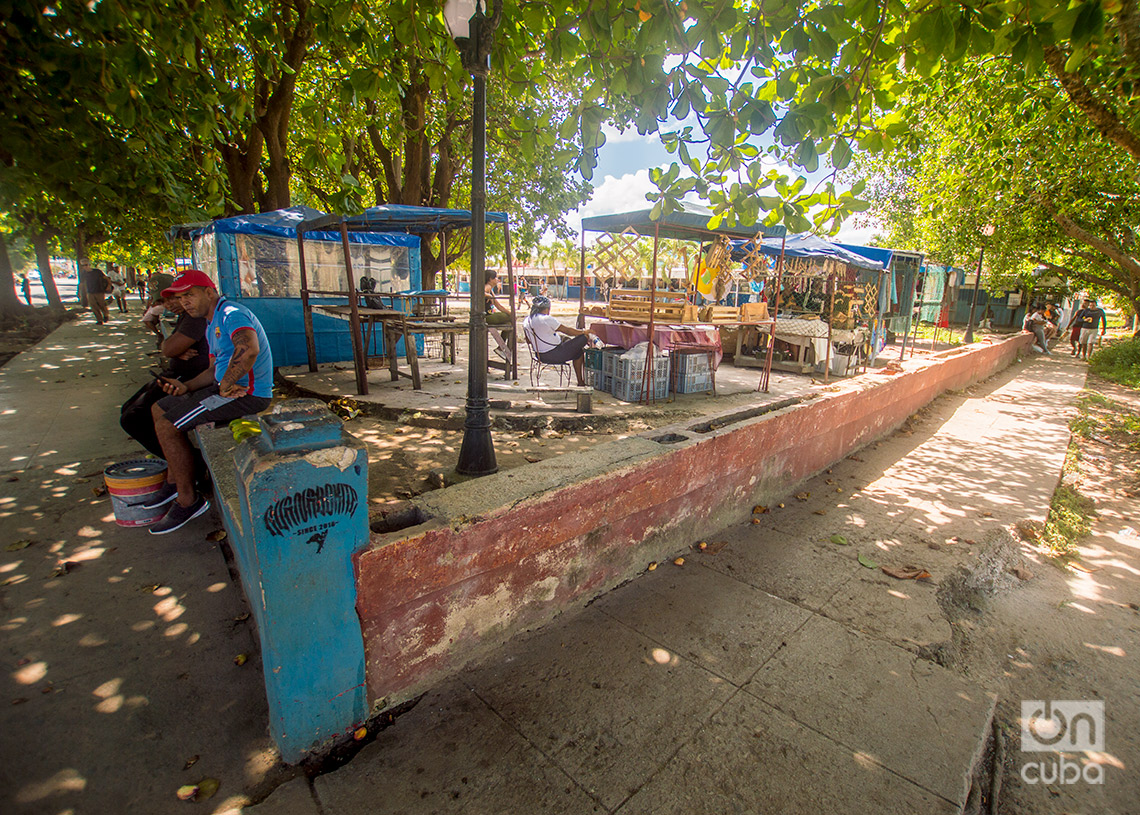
434 597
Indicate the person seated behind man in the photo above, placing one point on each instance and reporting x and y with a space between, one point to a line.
496 314
187 354
237 382
542 330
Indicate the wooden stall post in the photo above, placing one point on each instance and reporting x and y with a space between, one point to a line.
513 362
306 307
358 349
647 379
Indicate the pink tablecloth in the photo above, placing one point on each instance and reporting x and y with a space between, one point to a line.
665 337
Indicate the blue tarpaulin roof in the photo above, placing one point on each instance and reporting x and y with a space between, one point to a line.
283 223
688 224
883 256
808 246
391 217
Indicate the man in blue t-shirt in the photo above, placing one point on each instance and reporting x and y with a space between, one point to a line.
238 382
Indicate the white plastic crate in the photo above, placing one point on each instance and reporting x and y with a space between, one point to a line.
695 382
609 355
690 363
634 391
629 378
599 381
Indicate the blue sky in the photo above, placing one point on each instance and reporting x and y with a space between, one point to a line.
621 180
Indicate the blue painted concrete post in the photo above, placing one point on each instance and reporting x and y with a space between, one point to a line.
303 491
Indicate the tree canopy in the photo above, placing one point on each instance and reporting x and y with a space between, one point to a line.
175 111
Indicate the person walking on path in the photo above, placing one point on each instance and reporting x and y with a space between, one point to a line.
95 284
26 289
1087 320
238 382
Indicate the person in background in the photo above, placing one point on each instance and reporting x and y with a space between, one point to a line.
497 314
542 332
94 283
237 382
118 289
26 289
1035 322
1088 319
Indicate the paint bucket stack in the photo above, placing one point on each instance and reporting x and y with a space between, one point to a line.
132 484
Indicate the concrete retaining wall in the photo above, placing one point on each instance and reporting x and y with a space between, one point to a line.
493 557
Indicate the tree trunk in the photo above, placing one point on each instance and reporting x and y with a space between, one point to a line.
80 256
10 304
43 262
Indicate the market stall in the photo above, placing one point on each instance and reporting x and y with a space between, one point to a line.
256 260
825 300
616 252
367 303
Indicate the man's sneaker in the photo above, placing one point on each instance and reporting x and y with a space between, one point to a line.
178 516
168 494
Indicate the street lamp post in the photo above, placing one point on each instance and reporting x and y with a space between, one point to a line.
987 230
472 32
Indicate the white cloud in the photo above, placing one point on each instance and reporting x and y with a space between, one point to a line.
625 194
856 235
615 136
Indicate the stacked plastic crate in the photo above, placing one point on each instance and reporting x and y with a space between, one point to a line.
629 377
692 372
599 365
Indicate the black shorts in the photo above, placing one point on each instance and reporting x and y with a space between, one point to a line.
569 350
188 411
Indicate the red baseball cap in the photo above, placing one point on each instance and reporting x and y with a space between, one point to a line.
187 279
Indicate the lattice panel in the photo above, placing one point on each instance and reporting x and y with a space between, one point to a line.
756 263
617 253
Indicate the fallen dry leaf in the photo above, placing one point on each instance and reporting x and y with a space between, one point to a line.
207 787
359 733
190 762
987 515
18 545
1081 567
679 561
803 496
779 506
755 520
820 512
216 535
1021 573
905 572
531 459
854 458
241 659
19 700
652 566
150 587
702 546
241 618
759 510
99 491
187 792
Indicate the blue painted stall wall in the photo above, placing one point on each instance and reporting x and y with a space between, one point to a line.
283 318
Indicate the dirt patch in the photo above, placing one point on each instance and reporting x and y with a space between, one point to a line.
21 331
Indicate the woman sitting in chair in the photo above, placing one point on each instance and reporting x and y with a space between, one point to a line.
542 332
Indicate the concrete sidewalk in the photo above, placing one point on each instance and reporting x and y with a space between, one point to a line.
118 646
773 671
